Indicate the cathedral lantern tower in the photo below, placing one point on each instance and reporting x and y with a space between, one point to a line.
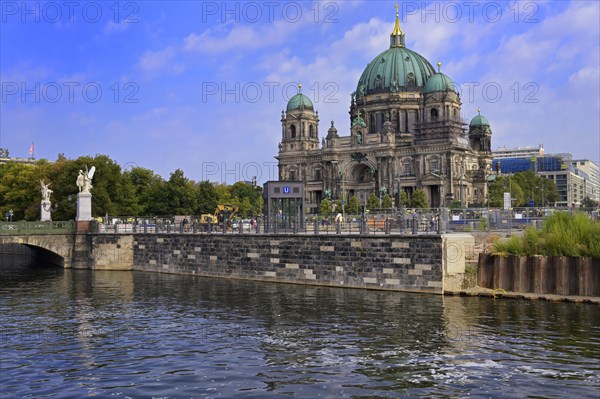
299 137
300 124
480 133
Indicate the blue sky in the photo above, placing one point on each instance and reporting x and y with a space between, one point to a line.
200 85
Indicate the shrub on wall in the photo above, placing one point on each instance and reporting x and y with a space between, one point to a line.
563 234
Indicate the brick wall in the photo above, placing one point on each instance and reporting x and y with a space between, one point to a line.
402 263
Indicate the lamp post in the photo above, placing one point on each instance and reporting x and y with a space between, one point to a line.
382 192
342 176
253 195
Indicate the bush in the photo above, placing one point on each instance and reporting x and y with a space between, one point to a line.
563 234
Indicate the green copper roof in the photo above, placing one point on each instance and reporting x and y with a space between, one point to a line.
299 101
439 82
395 68
478 121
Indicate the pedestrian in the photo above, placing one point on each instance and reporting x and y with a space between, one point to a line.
432 222
185 224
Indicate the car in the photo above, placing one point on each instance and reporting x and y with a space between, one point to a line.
246 224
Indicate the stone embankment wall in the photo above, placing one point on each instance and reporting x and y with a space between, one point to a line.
402 263
558 275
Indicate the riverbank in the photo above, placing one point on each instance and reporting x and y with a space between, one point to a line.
499 293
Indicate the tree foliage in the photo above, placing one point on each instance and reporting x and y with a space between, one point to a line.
524 187
387 202
353 206
116 192
325 208
372 202
404 200
419 199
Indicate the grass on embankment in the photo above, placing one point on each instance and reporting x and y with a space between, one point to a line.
563 234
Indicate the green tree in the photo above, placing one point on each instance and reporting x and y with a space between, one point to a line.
372 202
325 207
353 206
589 203
149 190
419 199
503 185
404 201
338 206
207 197
180 194
19 191
223 193
387 202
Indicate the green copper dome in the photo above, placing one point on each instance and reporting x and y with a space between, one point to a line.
394 69
479 121
439 82
299 101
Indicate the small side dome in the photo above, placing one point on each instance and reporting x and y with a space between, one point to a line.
439 82
479 120
299 101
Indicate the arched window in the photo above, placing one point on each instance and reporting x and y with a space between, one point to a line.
311 132
293 131
434 114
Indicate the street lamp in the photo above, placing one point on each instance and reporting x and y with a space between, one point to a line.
253 195
342 176
382 192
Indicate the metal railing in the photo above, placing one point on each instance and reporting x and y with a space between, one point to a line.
396 221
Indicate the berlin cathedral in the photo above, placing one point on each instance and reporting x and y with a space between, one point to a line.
406 133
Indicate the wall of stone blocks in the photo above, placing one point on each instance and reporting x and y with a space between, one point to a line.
401 263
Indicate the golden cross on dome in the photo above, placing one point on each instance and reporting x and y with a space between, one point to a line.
397 6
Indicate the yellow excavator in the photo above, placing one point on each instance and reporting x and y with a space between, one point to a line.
223 212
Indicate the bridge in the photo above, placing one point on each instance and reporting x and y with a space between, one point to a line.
59 244
399 262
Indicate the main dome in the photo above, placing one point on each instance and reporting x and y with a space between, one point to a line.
395 68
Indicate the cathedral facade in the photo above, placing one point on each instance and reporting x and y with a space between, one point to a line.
406 133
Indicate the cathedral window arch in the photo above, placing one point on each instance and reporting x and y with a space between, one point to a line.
434 165
318 174
293 131
379 117
311 132
434 114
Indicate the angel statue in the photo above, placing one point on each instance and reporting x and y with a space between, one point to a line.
45 191
84 180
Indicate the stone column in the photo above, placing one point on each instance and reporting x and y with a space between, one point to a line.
45 208
84 211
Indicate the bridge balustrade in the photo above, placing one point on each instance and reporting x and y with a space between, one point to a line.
30 228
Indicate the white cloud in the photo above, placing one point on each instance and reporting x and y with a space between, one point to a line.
157 61
115 27
241 37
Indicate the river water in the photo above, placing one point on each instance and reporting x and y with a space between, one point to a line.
75 334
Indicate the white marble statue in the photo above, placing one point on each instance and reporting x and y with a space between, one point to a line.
45 191
84 180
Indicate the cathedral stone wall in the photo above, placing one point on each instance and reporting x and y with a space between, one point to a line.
400 263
